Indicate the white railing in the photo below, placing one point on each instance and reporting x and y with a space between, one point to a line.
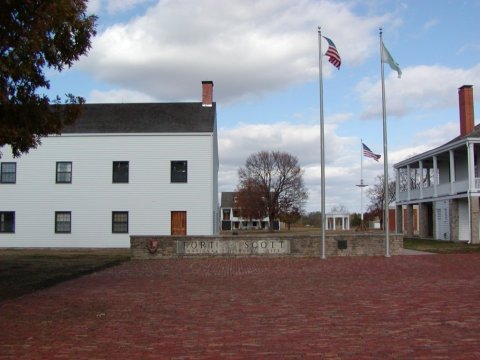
460 186
428 192
442 190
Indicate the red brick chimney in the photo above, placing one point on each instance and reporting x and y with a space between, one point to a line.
207 93
465 100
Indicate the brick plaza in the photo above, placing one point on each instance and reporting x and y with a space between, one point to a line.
403 307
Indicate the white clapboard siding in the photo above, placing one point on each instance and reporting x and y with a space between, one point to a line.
149 197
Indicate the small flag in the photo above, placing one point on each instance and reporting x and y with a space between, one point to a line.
332 53
387 58
369 153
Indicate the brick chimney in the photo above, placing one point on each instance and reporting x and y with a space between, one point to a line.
207 93
465 100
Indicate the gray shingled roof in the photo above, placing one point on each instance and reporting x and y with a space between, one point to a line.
144 118
227 200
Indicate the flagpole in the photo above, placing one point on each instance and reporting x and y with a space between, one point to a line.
361 185
322 143
386 221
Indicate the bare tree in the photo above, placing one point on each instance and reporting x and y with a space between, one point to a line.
341 209
276 178
250 201
376 194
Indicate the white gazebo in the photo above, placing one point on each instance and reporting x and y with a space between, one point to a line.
338 221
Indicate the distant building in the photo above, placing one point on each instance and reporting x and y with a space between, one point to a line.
338 221
232 216
120 170
444 183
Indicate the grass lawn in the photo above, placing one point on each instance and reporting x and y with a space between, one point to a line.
23 271
442 247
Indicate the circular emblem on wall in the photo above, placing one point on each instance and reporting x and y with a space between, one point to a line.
152 245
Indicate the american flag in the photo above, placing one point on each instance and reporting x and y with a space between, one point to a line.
332 53
369 153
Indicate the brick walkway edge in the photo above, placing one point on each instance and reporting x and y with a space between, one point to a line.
403 307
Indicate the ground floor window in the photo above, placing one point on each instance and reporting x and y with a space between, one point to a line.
7 221
120 222
63 222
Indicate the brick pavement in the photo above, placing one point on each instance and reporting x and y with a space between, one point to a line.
404 307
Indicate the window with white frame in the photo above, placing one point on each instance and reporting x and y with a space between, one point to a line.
120 222
64 172
8 173
63 221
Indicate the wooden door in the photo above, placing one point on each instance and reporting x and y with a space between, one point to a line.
179 223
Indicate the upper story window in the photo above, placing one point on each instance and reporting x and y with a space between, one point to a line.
63 222
120 171
64 172
120 222
178 172
7 221
8 173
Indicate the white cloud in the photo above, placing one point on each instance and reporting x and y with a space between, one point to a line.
425 141
118 96
246 47
421 87
301 140
93 6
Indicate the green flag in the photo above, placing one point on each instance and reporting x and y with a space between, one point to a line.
387 58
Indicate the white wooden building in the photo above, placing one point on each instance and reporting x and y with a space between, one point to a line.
120 170
232 218
444 183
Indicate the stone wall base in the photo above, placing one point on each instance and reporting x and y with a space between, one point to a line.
165 247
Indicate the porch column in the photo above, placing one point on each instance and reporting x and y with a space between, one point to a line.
420 165
471 167
435 176
474 218
399 219
452 171
409 220
423 220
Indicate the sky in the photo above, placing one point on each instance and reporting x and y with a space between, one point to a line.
263 57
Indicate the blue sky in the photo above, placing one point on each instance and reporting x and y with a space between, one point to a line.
263 59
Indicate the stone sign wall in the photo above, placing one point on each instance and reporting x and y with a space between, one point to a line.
352 244
233 247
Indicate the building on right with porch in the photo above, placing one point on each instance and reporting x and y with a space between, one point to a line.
444 183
